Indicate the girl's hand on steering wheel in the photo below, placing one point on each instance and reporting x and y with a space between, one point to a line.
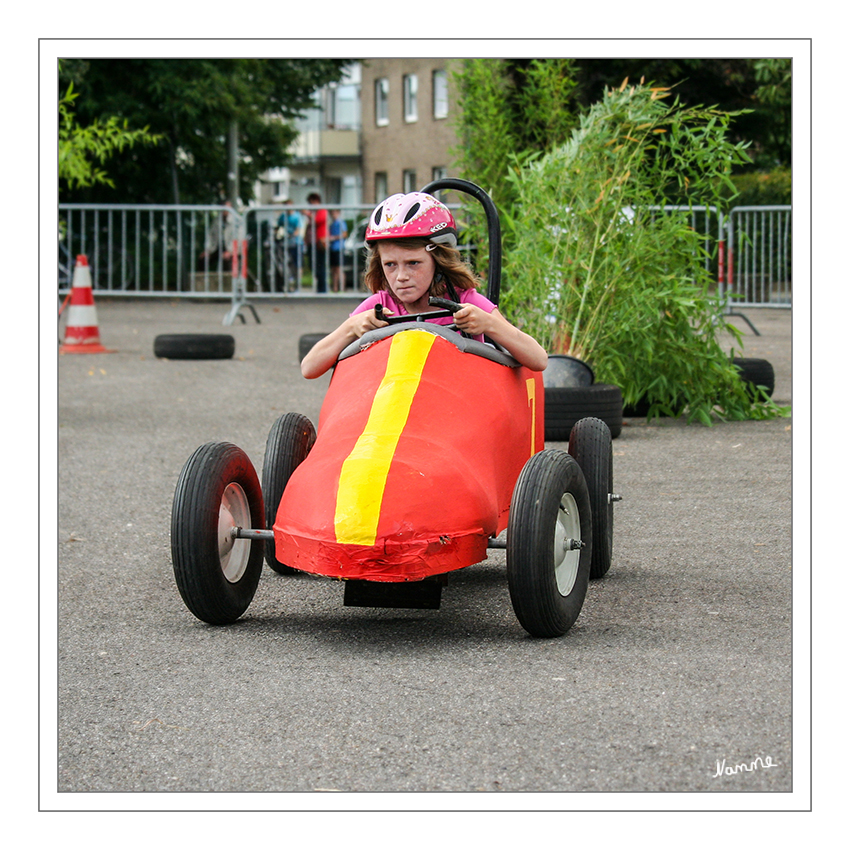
472 320
361 323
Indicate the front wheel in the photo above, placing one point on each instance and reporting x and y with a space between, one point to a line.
216 575
549 544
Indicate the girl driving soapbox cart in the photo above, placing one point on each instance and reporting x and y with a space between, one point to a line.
429 445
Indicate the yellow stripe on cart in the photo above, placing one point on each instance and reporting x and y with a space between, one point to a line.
363 477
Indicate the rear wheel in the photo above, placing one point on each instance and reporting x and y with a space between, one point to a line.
549 544
216 575
288 443
590 445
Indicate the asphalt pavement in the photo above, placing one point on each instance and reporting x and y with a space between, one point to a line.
677 674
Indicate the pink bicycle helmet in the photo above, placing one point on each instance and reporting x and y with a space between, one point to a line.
413 215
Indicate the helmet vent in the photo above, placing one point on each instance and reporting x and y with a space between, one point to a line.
377 217
411 213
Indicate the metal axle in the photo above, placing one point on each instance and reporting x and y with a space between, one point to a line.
252 533
268 534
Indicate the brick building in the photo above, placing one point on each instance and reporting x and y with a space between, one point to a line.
407 132
387 127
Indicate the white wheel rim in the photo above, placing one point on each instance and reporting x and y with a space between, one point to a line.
567 528
234 511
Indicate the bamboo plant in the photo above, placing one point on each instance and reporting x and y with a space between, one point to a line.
598 270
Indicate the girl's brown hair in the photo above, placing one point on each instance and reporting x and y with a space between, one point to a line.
447 260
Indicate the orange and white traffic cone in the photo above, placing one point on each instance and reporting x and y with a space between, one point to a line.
81 332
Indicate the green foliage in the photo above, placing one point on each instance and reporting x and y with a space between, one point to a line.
81 149
485 134
773 99
762 188
759 90
508 108
629 291
192 103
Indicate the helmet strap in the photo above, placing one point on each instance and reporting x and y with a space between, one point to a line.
451 292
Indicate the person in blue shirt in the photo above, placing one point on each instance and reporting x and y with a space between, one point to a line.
289 236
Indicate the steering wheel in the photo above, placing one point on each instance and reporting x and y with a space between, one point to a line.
449 309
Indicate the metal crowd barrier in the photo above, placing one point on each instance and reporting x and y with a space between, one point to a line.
753 260
187 250
151 250
212 251
759 257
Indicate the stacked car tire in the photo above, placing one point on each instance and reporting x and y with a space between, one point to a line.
572 394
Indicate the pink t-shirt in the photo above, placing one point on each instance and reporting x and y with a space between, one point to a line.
466 296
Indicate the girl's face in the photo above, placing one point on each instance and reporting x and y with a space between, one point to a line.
409 273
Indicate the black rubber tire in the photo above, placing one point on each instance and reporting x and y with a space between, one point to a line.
639 409
565 371
194 346
566 405
590 445
213 474
756 372
537 519
288 443
306 342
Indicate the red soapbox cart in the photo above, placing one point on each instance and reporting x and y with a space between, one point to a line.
429 445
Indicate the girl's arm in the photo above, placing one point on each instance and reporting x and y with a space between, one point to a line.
324 354
524 348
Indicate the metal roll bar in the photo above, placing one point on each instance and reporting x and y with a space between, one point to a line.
494 228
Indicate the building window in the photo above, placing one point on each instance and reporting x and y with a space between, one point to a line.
382 96
438 172
344 107
408 179
410 86
441 94
381 186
